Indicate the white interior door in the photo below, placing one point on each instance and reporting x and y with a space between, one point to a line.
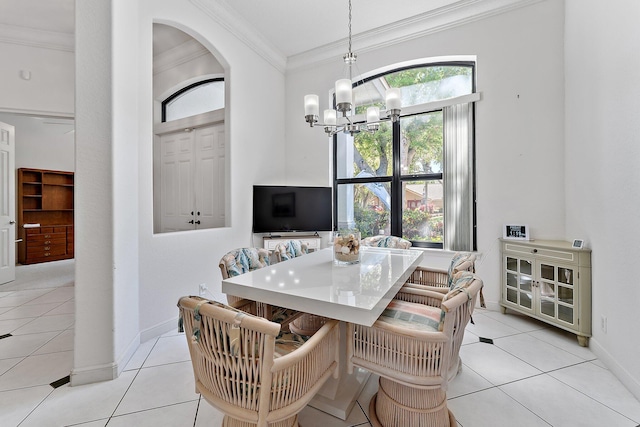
177 177
7 204
193 179
209 176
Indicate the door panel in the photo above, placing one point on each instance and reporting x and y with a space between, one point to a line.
193 179
177 195
7 204
209 197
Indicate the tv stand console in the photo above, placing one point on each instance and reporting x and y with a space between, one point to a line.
312 241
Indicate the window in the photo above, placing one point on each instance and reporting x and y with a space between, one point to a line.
200 97
413 178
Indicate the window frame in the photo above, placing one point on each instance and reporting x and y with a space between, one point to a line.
180 92
396 178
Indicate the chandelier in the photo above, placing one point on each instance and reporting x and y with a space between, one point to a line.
333 123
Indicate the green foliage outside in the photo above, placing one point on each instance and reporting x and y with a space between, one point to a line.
369 221
421 148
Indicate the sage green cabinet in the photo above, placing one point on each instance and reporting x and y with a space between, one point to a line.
550 281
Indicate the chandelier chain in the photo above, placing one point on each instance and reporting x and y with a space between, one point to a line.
349 27
344 103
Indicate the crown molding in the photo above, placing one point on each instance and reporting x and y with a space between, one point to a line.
444 18
178 55
242 30
38 113
37 38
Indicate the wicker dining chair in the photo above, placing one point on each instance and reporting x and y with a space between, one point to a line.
307 323
243 260
240 261
410 347
428 286
439 280
386 242
290 249
246 370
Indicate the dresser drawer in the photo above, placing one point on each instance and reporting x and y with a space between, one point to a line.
541 252
46 251
46 239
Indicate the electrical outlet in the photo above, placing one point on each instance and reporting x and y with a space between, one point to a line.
603 324
203 289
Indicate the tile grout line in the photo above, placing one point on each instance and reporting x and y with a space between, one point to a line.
132 381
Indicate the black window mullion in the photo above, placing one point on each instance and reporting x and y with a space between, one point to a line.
396 183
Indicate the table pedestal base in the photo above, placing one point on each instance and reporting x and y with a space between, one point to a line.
337 396
399 405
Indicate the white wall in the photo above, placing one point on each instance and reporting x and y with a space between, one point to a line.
41 144
602 174
140 276
50 90
49 93
95 355
174 264
519 131
166 80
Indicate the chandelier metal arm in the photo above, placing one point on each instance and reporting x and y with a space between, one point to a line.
345 104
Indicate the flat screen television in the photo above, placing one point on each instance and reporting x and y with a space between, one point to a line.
284 208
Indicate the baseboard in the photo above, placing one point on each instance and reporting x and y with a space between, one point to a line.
616 369
121 363
106 372
159 329
94 374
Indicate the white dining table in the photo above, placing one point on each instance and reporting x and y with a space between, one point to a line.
356 293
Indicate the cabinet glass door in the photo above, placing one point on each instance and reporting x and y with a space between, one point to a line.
556 292
519 282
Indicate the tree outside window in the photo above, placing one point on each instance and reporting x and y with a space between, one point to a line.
391 181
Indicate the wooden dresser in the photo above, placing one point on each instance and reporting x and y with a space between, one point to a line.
45 215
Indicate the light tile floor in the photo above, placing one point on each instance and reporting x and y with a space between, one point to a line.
532 375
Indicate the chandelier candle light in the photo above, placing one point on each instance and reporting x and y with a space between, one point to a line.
344 103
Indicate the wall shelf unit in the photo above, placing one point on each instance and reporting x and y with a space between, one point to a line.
45 215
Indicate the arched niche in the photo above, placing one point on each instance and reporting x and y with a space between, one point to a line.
190 154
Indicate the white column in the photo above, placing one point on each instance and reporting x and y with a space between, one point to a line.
106 283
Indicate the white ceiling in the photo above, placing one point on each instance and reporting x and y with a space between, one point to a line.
296 26
290 26
47 15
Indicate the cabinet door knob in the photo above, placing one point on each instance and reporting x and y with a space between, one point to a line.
190 222
535 251
12 222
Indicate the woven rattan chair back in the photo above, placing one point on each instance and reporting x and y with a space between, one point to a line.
414 364
290 249
238 371
240 261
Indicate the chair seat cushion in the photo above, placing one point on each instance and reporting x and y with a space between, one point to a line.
281 314
287 342
412 315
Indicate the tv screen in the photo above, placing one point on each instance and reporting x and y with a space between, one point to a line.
286 208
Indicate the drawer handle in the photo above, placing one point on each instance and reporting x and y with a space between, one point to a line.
47 254
46 248
46 236
46 242
535 251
